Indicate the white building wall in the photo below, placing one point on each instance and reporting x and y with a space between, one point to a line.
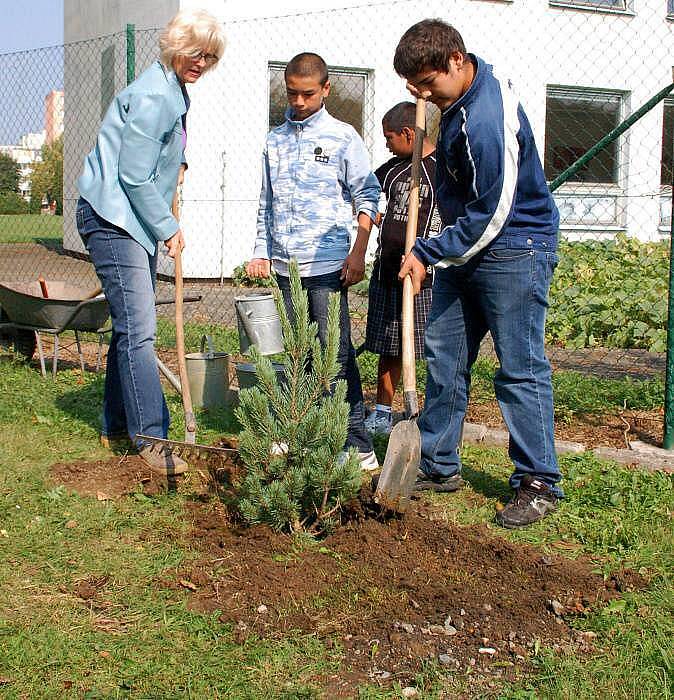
528 40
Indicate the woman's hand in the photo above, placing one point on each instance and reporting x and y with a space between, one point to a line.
173 243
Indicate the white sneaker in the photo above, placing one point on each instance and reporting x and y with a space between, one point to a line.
368 460
378 424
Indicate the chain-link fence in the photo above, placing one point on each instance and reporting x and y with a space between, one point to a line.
580 67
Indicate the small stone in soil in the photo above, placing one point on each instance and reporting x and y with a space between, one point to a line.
556 607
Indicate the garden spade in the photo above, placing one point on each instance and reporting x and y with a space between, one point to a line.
403 454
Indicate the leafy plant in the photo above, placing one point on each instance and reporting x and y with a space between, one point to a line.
611 294
241 278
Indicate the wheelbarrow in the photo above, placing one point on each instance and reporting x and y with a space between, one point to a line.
25 313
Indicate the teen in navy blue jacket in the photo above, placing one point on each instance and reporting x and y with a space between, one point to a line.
494 259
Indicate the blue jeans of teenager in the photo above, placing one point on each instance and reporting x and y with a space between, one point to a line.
133 401
503 291
319 288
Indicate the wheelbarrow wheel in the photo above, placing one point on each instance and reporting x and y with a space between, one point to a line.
24 341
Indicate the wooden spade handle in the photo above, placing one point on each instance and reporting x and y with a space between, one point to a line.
408 359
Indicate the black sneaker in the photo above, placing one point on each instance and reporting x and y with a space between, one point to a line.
532 501
438 484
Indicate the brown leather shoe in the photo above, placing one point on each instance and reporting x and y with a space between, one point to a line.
116 441
161 460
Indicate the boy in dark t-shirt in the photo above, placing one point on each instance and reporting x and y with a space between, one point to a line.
383 334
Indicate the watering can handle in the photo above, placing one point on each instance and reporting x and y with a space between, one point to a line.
207 339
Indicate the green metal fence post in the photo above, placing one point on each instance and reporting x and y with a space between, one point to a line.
668 436
130 53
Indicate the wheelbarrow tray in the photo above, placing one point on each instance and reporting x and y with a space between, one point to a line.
67 307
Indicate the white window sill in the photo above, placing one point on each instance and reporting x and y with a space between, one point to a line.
592 8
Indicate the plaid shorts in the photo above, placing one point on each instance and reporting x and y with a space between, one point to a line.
384 323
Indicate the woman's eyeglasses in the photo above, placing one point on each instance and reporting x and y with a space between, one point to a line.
208 57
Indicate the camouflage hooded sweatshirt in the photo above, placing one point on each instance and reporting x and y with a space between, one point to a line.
315 175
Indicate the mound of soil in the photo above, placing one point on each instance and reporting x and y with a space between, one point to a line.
385 595
393 594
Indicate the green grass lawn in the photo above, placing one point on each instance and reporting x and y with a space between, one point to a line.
27 228
145 644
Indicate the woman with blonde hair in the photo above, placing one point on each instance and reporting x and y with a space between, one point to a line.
124 212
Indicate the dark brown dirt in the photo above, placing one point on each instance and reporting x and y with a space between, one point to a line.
384 595
392 594
108 479
592 430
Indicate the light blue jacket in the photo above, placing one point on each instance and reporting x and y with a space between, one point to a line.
315 175
130 176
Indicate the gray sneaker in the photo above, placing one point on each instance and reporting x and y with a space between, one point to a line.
438 484
532 501
161 460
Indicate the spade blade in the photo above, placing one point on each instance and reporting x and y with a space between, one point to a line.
401 463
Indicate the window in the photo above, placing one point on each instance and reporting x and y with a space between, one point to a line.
576 119
599 4
667 162
670 8
350 98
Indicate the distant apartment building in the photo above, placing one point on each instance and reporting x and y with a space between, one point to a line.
26 153
53 116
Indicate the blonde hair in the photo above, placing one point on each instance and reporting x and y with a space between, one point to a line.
188 33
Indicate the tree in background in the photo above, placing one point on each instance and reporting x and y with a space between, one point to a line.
11 202
46 180
293 431
9 174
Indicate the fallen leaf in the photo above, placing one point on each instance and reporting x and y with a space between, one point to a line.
71 524
104 654
100 496
187 584
571 546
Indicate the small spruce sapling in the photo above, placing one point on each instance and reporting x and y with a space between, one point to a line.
293 430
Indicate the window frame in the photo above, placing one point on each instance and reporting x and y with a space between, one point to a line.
367 107
594 6
574 190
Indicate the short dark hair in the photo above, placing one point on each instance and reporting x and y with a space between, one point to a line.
402 115
307 64
427 44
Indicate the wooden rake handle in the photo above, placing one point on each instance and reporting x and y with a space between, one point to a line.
408 359
190 421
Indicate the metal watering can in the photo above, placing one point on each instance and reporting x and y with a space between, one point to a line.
258 323
208 375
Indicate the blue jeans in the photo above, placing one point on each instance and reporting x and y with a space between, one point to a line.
503 291
319 289
133 401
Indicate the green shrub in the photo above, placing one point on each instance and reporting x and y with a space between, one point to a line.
610 294
12 203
